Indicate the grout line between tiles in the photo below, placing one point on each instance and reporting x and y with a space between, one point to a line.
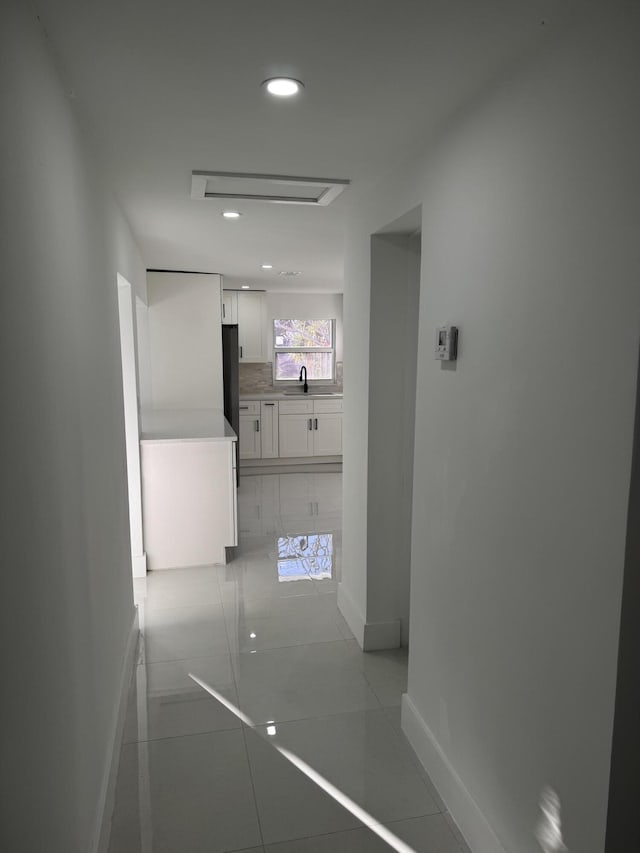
253 787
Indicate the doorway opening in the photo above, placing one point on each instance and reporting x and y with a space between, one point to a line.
393 352
131 423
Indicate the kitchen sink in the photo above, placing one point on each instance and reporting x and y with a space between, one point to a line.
312 394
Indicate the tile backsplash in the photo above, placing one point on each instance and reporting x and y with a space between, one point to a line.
258 378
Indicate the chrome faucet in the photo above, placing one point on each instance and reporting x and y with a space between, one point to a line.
305 386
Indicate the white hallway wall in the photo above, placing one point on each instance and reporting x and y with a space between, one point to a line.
67 596
531 202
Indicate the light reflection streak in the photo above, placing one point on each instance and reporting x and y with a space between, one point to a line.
228 705
339 796
549 831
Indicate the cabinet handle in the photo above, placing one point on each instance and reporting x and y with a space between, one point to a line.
310 424
315 423
269 404
257 426
224 312
240 352
244 407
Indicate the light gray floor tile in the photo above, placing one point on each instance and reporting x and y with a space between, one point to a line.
464 847
249 850
361 755
290 805
393 714
424 835
165 702
299 682
185 794
185 782
179 633
180 588
385 671
259 578
271 623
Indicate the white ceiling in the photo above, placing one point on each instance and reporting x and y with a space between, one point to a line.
170 86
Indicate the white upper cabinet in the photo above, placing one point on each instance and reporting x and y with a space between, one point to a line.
247 309
229 307
251 326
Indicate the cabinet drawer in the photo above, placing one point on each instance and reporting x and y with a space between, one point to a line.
249 407
330 405
296 407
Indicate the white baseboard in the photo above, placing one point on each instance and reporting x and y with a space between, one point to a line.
463 808
106 800
139 562
381 635
297 465
351 613
371 636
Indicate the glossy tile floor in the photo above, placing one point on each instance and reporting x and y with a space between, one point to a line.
204 772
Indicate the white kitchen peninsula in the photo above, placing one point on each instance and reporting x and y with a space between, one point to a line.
189 499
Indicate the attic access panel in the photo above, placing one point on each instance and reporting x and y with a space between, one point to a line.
277 189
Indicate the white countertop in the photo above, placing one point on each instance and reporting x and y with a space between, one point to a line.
159 425
298 395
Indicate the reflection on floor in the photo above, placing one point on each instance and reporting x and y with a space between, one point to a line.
265 633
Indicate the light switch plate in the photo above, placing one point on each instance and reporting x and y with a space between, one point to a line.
447 343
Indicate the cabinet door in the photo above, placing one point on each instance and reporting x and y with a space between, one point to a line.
327 435
249 437
229 307
296 435
269 429
251 326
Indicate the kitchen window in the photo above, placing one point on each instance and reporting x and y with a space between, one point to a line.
308 343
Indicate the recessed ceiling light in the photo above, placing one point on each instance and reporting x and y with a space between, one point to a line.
283 87
245 287
231 214
290 272
267 266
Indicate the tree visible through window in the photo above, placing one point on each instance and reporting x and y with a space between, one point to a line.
308 343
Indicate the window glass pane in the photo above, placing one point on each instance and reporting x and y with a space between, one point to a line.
319 365
303 333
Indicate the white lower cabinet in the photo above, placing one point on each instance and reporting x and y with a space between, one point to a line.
269 432
190 509
311 427
296 435
249 437
290 429
327 435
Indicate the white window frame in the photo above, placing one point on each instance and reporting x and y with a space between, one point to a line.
332 351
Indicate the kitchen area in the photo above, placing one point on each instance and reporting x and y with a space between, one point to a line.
233 383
